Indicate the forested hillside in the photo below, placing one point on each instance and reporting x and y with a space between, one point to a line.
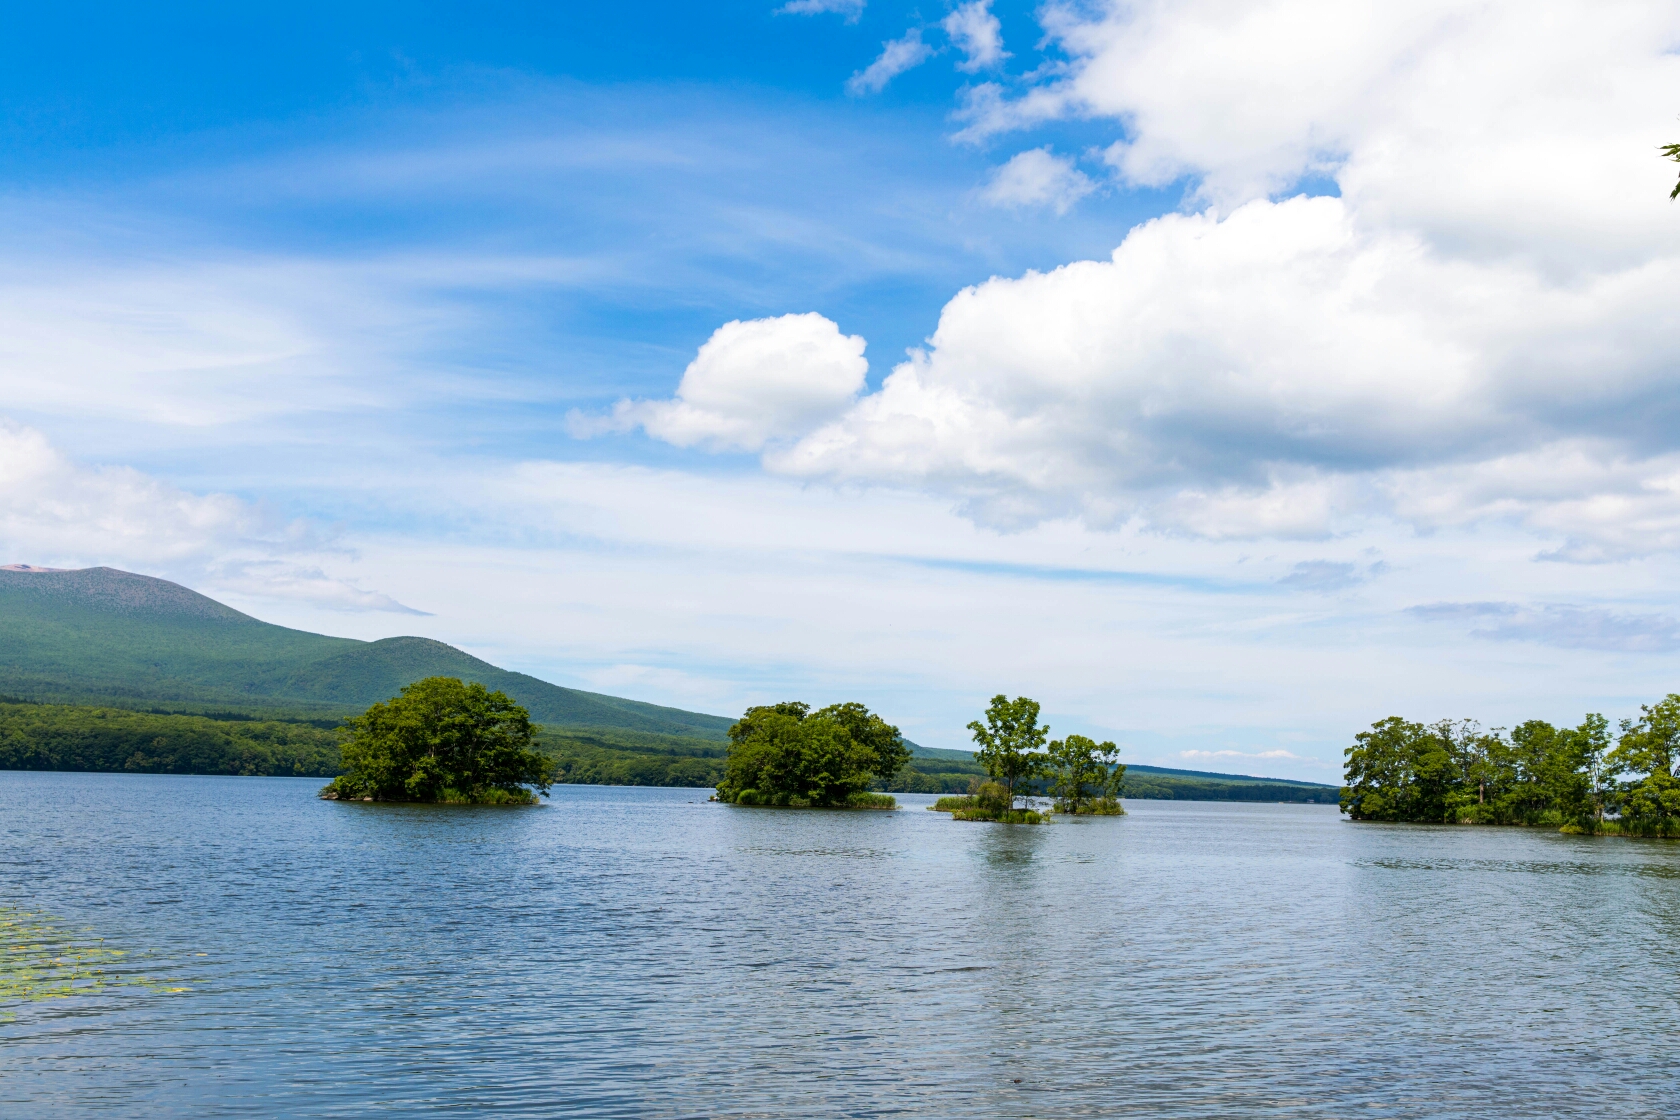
61 737
104 636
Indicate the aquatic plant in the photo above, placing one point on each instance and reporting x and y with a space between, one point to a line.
42 957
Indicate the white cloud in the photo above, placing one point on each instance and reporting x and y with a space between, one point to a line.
751 383
851 9
56 513
1272 373
897 56
1478 127
1036 178
1476 329
978 34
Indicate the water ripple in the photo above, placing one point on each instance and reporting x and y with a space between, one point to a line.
633 953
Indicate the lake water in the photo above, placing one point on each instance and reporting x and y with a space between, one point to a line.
642 953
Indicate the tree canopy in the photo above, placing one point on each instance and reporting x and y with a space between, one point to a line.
1086 777
786 754
1011 743
442 740
1649 749
1572 777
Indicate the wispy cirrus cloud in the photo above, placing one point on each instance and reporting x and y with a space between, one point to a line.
1563 626
897 56
851 9
55 512
1330 575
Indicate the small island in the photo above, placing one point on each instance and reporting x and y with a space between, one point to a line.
1084 777
1583 781
787 756
442 742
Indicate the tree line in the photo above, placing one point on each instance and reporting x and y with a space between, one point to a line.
84 738
1581 779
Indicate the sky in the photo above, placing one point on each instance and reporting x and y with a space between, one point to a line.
1224 374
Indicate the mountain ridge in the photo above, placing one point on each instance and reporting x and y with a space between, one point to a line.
107 635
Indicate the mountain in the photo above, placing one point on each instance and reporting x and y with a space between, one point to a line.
103 635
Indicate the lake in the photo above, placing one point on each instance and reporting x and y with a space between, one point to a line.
643 953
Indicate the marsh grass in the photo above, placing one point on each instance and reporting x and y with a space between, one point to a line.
1093 807
42 958
488 796
1006 816
862 799
988 802
1650 830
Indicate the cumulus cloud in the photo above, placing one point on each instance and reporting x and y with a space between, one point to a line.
1564 626
1267 373
55 512
1475 329
897 56
1438 108
851 9
751 383
1038 179
978 34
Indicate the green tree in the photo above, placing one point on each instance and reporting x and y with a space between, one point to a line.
1398 771
442 740
869 730
1649 749
1011 743
1481 775
1591 742
784 754
1082 772
1579 784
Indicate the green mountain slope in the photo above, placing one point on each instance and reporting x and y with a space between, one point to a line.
103 635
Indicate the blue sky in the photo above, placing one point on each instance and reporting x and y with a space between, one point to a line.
1226 376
